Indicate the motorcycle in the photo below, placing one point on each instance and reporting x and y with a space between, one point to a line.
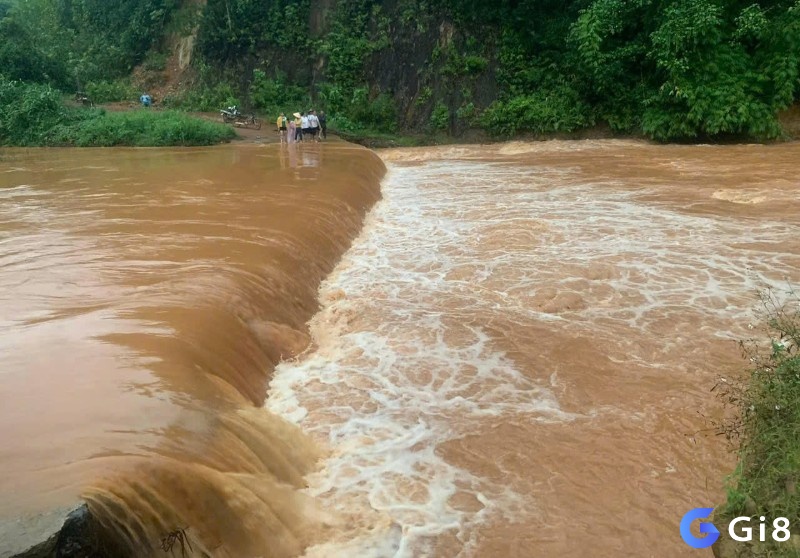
232 115
229 114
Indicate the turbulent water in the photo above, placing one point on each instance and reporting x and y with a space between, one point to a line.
514 358
145 296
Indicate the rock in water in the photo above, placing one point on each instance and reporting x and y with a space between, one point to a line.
62 533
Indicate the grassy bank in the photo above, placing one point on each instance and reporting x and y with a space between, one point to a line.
767 426
35 115
139 128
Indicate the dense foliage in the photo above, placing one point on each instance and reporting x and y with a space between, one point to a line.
71 42
670 69
33 114
23 53
109 37
684 68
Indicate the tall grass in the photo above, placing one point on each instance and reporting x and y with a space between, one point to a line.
141 128
767 426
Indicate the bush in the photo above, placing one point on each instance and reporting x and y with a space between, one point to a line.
141 128
274 96
767 424
111 91
694 68
204 98
474 65
27 112
424 96
155 62
340 123
333 98
357 110
556 110
378 113
440 116
467 113
108 39
21 57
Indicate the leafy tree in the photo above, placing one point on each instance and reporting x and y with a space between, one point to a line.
713 79
23 55
27 111
109 37
683 68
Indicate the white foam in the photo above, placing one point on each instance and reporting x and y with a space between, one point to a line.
402 360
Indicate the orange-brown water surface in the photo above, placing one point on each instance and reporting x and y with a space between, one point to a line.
513 359
145 296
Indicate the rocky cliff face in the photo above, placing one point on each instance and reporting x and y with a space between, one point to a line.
425 67
415 54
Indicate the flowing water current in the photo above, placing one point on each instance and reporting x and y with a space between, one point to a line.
514 357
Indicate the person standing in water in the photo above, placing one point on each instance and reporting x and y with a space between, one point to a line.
305 127
298 125
291 132
323 125
282 127
313 125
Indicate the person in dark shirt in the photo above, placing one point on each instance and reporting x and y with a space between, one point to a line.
323 124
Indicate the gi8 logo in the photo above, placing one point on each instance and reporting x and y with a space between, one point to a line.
712 534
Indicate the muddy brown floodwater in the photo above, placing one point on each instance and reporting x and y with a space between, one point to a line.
145 295
513 358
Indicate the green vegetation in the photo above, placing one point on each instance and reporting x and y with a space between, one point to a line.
110 91
107 39
440 117
207 95
52 46
275 96
33 114
233 30
28 112
695 68
670 69
767 426
71 42
556 110
143 128
23 52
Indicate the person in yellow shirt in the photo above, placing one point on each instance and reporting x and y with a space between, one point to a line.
282 126
298 123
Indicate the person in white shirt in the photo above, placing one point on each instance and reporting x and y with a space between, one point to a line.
305 126
313 124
